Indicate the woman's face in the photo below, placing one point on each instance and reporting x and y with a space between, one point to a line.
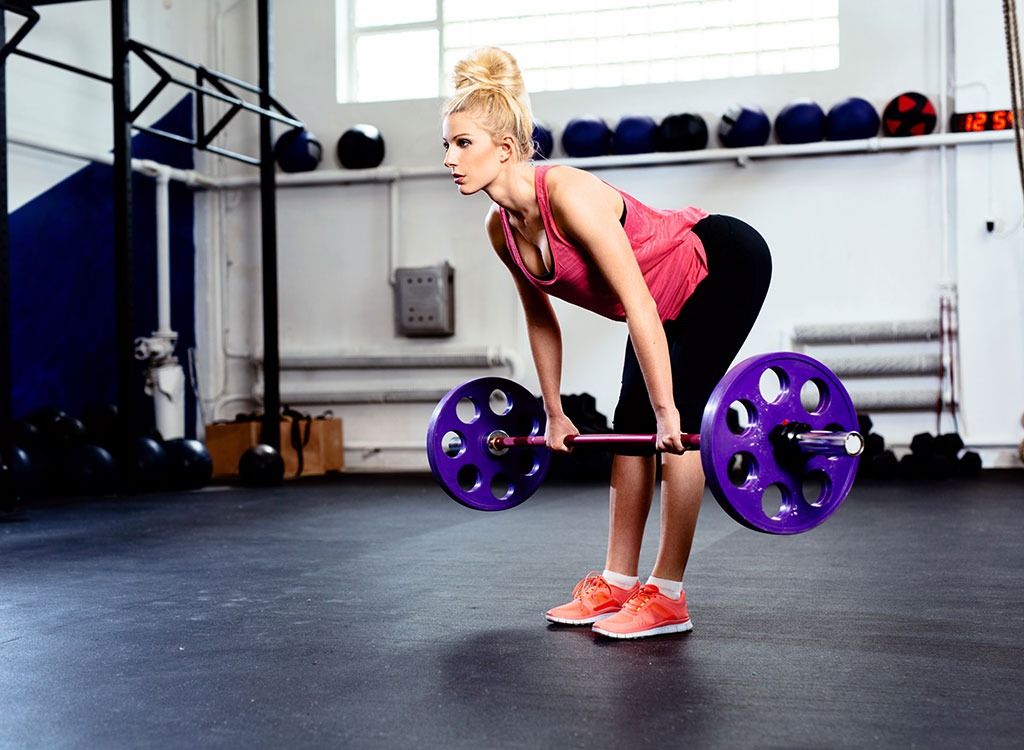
470 153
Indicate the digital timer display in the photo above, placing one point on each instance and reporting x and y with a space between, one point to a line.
975 122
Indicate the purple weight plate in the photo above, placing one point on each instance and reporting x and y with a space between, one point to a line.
739 462
457 444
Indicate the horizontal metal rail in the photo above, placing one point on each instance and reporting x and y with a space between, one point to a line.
62 65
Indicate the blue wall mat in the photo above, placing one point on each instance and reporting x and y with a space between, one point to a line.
62 280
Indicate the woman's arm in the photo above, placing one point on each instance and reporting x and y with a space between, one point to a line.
588 211
545 338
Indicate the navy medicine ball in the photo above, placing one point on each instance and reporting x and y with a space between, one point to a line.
586 136
543 141
361 147
298 150
801 121
743 126
685 132
852 119
635 134
908 114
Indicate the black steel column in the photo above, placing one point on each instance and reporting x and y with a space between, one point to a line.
124 343
268 219
6 378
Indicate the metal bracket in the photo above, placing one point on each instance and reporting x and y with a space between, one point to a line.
208 83
31 19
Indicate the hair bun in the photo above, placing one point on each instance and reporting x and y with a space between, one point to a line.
489 68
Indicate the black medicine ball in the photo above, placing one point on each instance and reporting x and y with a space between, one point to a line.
685 132
261 466
909 114
298 150
361 147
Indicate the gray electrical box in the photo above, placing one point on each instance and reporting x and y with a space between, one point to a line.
425 301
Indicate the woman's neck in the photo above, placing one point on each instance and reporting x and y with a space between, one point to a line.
515 191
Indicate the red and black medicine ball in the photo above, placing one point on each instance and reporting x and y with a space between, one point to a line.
908 114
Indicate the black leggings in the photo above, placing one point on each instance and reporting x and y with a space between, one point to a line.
709 331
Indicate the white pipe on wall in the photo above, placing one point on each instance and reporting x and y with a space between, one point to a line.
340 396
393 224
882 366
946 239
165 376
861 333
163 251
167 387
188 176
910 400
482 357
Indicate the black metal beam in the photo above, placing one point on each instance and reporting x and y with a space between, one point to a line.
63 66
6 378
124 337
268 219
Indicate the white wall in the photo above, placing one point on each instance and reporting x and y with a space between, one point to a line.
855 238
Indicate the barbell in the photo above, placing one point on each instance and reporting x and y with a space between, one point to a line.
778 443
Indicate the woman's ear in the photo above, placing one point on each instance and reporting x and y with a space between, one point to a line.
508 147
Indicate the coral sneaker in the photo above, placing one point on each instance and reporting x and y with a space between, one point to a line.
592 599
648 612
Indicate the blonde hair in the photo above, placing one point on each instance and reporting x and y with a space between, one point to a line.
489 85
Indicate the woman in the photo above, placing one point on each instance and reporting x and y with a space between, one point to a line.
689 287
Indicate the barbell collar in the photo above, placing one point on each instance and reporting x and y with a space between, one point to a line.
826 443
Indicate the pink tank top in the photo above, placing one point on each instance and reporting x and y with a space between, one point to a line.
671 257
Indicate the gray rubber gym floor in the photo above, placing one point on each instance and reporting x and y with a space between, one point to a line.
371 612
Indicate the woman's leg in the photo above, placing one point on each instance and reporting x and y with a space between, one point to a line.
682 488
661 608
632 489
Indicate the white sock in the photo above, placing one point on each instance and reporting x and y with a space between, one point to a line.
671 589
619 580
